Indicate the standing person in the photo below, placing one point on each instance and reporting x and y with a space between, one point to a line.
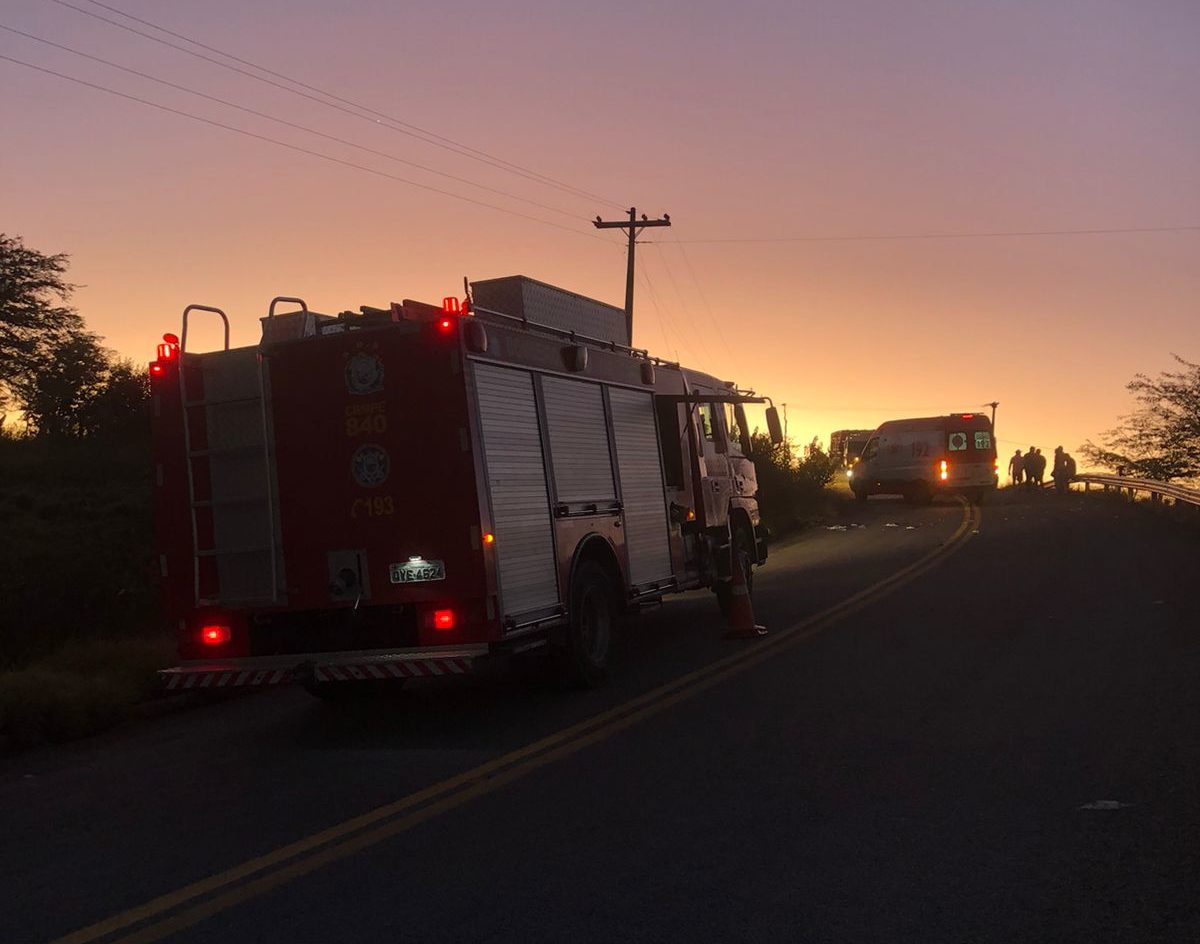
1041 468
1030 466
1059 473
1071 467
1016 467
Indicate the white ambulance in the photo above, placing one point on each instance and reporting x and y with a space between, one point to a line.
928 456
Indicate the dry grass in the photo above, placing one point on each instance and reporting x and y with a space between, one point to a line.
79 690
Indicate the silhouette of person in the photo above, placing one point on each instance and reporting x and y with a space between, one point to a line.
1016 467
1030 466
1040 469
1062 478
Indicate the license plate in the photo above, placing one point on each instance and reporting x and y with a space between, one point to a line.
420 571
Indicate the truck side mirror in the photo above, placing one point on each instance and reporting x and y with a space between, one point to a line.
773 425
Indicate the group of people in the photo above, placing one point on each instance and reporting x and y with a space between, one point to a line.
1030 468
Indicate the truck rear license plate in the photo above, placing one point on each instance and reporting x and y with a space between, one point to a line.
418 571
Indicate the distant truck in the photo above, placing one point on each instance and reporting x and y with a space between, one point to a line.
929 456
846 445
421 490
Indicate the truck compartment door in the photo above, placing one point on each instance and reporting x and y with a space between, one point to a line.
516 479
583 475
639 466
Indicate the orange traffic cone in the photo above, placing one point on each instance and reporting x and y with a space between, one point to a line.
741 613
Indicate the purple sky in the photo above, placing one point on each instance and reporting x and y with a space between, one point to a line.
742 121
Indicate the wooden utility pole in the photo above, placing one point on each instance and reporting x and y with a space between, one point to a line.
633 226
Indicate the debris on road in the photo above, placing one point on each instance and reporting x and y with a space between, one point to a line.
1105 805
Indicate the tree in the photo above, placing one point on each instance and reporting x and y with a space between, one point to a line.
34 315
817 468
66 384
1161 438
57 395
117 407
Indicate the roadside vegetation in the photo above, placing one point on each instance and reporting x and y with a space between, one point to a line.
793 491
1160 439
80 631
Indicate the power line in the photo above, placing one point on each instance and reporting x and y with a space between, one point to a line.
665 321
312 88
295 147
290 124
683 307
977 235
381 119
716 322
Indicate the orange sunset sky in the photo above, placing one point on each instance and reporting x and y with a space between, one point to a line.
745 122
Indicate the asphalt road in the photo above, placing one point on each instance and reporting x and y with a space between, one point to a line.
996 739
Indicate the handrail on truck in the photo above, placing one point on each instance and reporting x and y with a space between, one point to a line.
191 308
286 298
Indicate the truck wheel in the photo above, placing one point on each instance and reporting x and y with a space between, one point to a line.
581 656
860 492
744 548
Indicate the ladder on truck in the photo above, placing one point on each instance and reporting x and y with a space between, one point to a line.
229 441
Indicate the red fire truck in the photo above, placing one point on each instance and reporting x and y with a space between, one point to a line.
421 490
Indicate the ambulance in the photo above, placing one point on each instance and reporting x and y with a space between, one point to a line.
929 456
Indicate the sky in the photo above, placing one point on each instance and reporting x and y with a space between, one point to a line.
776 135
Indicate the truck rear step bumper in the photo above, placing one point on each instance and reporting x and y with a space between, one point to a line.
323 667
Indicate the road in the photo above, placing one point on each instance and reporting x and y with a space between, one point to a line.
996 739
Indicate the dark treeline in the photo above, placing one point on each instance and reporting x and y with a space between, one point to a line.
76 538
53 370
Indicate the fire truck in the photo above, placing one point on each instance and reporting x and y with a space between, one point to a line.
424 490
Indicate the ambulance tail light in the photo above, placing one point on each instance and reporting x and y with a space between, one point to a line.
945 470
443 619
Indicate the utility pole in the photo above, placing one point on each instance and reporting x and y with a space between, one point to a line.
633 226
993 405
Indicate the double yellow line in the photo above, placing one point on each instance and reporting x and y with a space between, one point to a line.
181 909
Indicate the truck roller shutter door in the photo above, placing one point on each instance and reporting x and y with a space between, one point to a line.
578 441
640 468
516 476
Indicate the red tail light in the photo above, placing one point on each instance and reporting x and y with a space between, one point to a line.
443 619
450 305
156 369
445 325
215 635
945 471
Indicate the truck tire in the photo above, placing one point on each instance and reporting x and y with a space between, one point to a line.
860 492
581 653
744 547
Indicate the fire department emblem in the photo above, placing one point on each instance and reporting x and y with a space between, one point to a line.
370 465
364 373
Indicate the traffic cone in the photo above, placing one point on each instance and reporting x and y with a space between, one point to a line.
741 613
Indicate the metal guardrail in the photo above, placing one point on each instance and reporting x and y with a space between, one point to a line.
1157 490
